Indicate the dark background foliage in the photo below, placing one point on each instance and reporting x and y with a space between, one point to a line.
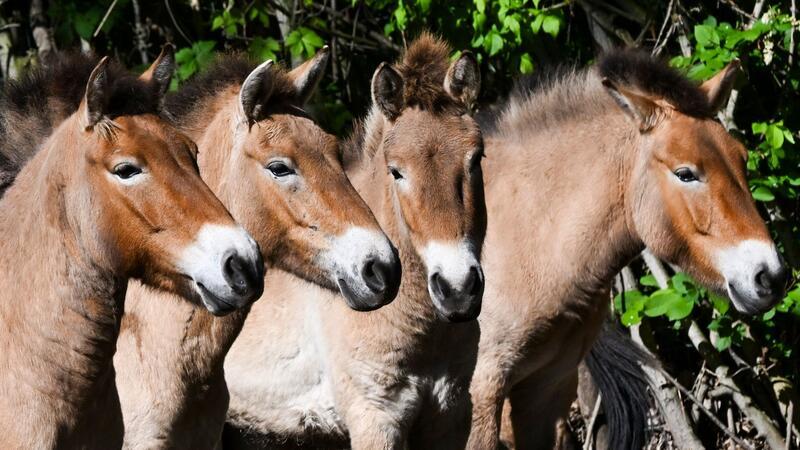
661 306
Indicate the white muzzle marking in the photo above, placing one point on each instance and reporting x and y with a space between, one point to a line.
349 253
739 265
204 259
453 261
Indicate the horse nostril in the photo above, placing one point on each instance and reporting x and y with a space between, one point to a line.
376 275
762 280
772 282
238 275
440 286
473 284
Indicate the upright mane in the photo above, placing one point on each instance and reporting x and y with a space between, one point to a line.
32 106
423 67
563 95
228 70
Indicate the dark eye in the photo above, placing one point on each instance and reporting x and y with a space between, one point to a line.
279 169
395 173
125 171
476 160
686 175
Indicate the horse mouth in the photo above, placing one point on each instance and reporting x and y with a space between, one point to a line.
355 301
741 302
215 304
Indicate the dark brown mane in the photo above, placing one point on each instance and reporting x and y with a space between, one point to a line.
32 106
226 71
653 76
423 67
564 95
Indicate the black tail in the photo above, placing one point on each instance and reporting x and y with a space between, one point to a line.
614 363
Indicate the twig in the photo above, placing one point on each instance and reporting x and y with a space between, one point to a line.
140 33
657 48
590 428
738 10
757 417
789 418
705 410
175 22
45 45
556 6
791 34
105 17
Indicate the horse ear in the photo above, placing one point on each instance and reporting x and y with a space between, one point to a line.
719 87
159 74
387 90
463 79
256 91
641 108
94 100
306 76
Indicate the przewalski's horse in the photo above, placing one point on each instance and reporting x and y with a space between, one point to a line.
281 177
113 193
307 368
581 175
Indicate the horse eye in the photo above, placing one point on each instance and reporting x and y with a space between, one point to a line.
125 171
395 173
280 169
686 175
476 160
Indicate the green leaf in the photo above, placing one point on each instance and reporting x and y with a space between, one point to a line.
763 194
263 49
706 35
630 318
495 43
721 304
217 23
670 303
649 280
722 343
537 23
525 64
774 136
551 25
86 22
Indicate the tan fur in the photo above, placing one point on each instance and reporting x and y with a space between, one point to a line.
73 237
575 188
306 368
169 361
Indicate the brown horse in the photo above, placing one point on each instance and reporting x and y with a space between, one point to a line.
112 193
305 367
581 175
281 177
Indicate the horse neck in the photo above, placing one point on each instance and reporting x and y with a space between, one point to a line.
61 310
576 184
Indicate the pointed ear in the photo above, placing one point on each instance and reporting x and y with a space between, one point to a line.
719 87
159 74
256 91
387 90
641 108
94 100
306 76
463 79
